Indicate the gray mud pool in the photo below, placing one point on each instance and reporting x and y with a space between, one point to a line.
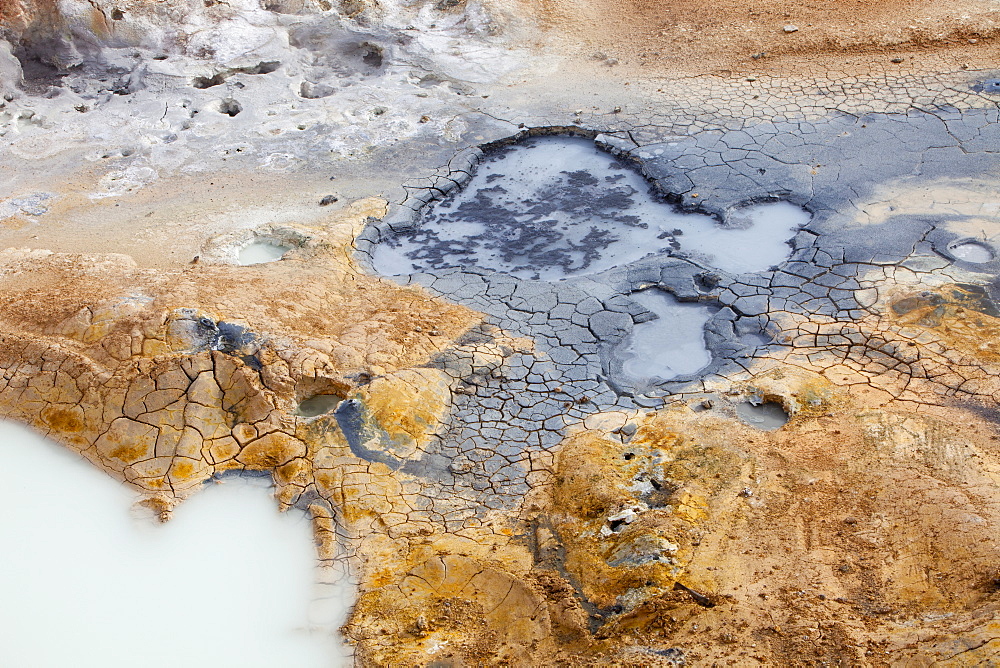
549 208
262 251
672 345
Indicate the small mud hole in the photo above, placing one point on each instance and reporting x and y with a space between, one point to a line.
672 345
371 54
317 405
975 252
230 107
261 251
554 207
766 416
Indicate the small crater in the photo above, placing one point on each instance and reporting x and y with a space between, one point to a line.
263 67
208 82
317 405
315 91
230 107
371 54
968 250
766 415
262 251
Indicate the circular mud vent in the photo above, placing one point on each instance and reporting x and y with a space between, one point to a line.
970 250
261 251
763 415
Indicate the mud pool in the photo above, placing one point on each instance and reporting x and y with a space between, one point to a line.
672 345
227 581
317 405
763 415
555 207
975 252
260 252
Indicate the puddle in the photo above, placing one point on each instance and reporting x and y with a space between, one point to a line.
317 405
754 238
672 345
553 207
975 252
766 416
229 581
260 252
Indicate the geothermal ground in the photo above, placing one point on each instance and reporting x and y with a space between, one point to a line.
584 333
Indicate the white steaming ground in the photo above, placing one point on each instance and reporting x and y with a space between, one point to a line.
227 582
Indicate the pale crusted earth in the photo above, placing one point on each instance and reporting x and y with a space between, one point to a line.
499 491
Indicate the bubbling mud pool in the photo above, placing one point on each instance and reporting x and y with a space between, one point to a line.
554 207
228 581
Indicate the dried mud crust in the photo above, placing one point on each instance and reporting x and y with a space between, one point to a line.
650 537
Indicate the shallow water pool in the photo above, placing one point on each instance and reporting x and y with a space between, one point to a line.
670 346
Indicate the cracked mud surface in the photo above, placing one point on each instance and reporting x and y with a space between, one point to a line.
466 438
